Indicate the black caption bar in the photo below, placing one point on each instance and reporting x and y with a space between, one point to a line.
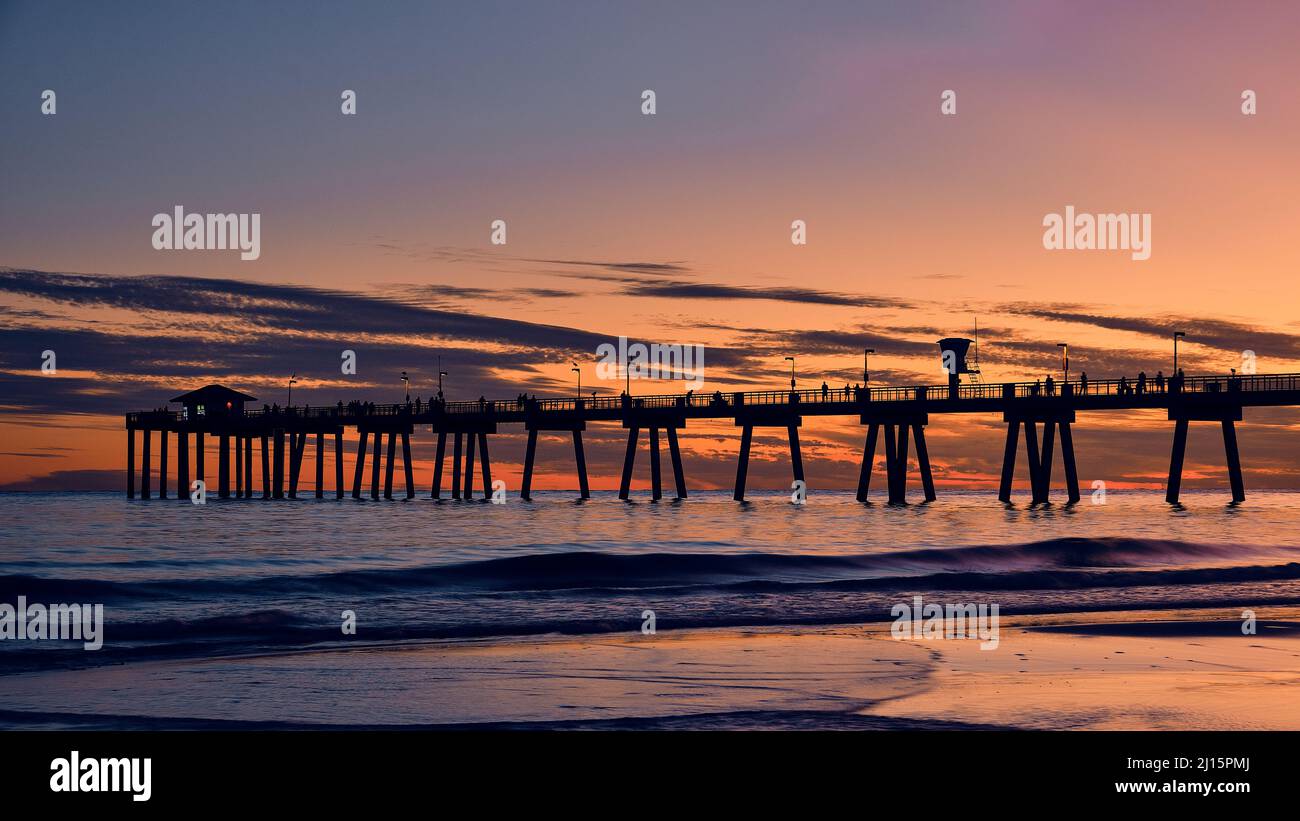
145 771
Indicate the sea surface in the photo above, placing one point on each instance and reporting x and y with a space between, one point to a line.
185 581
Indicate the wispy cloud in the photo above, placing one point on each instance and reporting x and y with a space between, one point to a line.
620 267
180 331
1229 336
676 289
287 307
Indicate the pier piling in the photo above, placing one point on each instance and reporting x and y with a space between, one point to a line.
360 471
320 464
182 465
146 465
436 492
376 459
162 464
407 468
456 455
468 492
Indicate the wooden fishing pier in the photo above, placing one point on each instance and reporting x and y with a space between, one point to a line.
1042 415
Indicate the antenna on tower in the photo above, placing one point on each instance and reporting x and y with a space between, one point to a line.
975 371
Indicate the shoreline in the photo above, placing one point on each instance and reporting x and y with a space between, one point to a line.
1188 669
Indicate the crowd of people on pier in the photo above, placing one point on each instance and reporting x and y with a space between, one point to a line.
1142 385
1048 387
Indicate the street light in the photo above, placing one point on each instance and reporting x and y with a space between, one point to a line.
406 382
790 359
293 380
1176 335
578 371
866 375
1065 359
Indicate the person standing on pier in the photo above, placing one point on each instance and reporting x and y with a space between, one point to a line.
1160 381
1083 382
1142 382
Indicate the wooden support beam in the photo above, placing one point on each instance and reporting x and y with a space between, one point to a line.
239 466
1067 458
1032 455
675 453
1042 495
436 491
485 464
266 468
162 464
223 466
629 459
320 464
902 465
581 458
868 458
182 464
455 467
277 465
530 455
200 452
359 472
656 480
146 466
297 445
130 463
338 464
407 467
1176 461
742 462
248 467
1009 460
376 460
388 468
796 453
923 461
298 456
468 472
891 462
291 483
1234 461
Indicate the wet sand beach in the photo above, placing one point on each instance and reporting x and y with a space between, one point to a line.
1190 669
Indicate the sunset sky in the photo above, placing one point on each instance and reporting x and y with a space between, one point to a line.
668 228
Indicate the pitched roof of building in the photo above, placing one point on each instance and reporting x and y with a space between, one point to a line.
214 395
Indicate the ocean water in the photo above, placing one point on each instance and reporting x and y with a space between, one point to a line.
184 581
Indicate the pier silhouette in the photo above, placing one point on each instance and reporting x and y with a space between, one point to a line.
1040 413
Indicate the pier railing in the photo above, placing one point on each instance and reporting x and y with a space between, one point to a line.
727 401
